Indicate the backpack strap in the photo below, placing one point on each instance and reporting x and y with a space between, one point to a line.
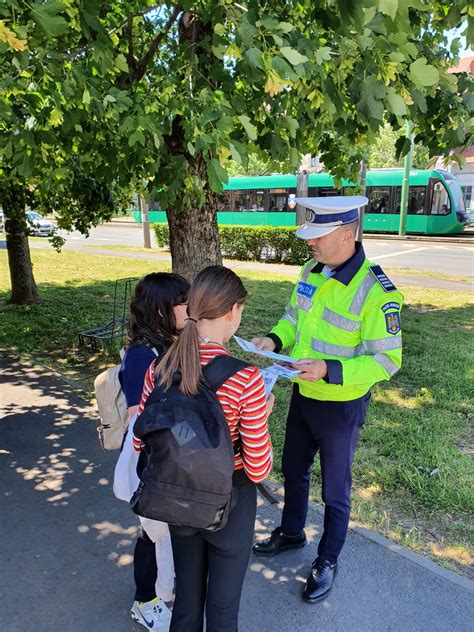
220 369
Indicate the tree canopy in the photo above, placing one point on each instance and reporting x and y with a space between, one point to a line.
99 98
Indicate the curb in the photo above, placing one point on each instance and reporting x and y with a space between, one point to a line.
395 548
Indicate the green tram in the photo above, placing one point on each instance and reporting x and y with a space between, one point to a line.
435 201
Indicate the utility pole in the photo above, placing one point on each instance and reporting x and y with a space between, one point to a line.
406 182
362 178
301 191
144 208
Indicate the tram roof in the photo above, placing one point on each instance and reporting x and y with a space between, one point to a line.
375 177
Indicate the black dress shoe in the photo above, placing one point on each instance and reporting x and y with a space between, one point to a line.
279 542
320 580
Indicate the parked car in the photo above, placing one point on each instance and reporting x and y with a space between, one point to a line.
39 226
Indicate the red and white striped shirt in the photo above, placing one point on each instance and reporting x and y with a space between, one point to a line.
243 401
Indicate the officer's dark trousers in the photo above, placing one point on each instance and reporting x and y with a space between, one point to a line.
144 567
210 568
332 428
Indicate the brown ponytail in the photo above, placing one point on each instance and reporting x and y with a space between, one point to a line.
213 293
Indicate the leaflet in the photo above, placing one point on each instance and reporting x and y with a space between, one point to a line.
269 378
246 345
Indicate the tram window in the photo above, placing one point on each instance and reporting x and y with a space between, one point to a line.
277 200
240 201
467 194
255 201
379 200
416 200
224 203
440 204
328 191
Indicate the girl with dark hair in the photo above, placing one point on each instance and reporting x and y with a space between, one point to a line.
210 566
157 314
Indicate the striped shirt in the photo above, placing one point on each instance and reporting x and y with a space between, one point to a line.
243 401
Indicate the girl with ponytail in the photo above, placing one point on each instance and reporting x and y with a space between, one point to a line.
210 566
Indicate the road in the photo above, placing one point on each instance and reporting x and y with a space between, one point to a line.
447 258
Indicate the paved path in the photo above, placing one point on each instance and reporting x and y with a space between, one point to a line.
400 279
67 543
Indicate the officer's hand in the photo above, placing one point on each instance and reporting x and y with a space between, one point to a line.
270 403
311 370
264 343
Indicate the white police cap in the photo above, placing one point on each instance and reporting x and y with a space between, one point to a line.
326 214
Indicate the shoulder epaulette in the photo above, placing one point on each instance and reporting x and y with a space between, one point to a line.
382 278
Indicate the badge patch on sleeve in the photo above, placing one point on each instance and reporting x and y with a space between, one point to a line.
388 306
392 322
305 289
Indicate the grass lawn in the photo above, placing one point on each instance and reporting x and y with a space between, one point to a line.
413 469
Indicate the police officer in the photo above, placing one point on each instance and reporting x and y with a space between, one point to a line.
343 325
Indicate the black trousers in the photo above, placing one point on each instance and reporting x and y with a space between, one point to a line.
144 567
210 568
332 428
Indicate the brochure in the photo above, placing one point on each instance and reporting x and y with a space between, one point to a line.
246 345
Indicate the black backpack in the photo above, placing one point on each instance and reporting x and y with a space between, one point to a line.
187 480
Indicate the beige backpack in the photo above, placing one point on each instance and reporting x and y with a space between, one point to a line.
112 407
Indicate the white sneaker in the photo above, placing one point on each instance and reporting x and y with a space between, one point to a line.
153 615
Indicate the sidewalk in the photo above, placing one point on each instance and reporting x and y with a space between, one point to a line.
68 544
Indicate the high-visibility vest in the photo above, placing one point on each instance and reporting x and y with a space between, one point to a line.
357 325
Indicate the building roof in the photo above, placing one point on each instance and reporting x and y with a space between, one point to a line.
466 64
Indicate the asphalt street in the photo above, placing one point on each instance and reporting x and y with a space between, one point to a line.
445 258
67 544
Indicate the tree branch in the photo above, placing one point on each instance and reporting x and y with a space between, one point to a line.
143 63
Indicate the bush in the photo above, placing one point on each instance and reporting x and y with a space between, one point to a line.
253 243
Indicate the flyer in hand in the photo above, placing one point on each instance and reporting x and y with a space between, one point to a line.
251 348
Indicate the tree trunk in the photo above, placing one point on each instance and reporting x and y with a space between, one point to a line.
194 240
23 284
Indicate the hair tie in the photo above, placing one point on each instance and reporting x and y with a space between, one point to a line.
191 318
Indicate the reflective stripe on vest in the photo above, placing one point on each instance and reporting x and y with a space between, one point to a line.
304 303
290 315
361 294
307 270
340 351
386 363
340 321
368 347
383 344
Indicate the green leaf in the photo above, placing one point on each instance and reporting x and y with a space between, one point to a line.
270 23
422 74
420 100
136 137
121 63
323 54
246 30
388 7
239 153
217 175
370 105
291 125
86 97
219 29
295 157
248 126
293 56
396 103
45 14
285 27
191 148
254 57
